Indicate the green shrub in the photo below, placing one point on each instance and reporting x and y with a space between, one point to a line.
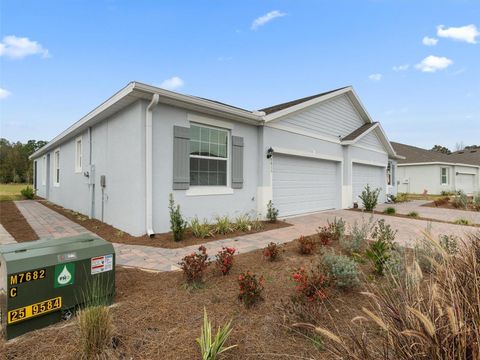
272 212
460 201
380 250
243 223
257 225
390 211
401 197
449 243
28 193
200 229
369 198
447 193
211 348
413 214
358 237
223 225
462 222
476 201
177 223
338 227
342 270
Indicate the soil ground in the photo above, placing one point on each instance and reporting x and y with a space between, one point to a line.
157 317
164 240
14 222
449 205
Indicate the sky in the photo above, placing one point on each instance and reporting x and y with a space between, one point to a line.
415 64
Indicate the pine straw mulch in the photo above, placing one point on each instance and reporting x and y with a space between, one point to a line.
157 317
13 221
164 240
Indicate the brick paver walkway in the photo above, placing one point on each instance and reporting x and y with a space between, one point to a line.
433 213
5 237
48 224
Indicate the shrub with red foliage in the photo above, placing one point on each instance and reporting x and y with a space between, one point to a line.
225 259
251 288
271 252
194 265
306 245
326 233
310 285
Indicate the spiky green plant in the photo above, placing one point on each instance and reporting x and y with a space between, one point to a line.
211 348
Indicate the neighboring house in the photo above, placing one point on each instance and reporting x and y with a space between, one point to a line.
121 161
436 172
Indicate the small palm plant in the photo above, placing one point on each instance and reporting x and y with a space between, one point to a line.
209 347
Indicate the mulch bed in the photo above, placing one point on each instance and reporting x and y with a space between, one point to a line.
164 240
448 205
157 317
405 216
13 221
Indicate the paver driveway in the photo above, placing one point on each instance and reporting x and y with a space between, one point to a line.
432 212
51 224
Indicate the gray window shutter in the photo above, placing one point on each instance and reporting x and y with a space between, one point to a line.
237 162
181 158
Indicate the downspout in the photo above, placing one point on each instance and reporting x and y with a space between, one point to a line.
91 175
149 165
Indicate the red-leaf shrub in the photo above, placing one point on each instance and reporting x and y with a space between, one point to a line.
194 265
326 233
306 245
271 252
311 286
251 288
225 259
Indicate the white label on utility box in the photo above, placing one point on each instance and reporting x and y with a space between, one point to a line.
101 264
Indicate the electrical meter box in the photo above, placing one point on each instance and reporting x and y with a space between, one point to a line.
45 281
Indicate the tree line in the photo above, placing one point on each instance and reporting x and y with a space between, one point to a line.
14 163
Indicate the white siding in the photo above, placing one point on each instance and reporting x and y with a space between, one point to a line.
333 118
371 141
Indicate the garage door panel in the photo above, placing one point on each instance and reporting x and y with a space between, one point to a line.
302 185
466 183
367 174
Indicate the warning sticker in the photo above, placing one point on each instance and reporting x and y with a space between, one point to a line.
101 264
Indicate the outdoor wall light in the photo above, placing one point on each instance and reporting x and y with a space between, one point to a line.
269 153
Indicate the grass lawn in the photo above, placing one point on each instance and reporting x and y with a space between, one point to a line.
423 197
11 191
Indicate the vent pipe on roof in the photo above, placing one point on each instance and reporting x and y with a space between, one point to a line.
149 165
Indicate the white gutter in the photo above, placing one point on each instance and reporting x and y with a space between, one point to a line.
149 164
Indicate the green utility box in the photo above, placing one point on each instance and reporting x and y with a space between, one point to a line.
45 281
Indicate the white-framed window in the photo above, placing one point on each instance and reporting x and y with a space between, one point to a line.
44 171
78 155
209 156
56 167
444 176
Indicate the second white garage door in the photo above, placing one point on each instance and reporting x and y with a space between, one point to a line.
465 182
303 185
368 174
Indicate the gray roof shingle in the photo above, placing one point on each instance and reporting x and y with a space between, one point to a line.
357 132
415 154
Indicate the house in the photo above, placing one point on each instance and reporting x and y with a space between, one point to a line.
120 162
437 172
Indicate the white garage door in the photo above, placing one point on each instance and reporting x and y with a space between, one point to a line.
465 182
303 185
366 174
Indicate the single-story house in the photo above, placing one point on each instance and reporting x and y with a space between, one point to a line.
120 162
432 171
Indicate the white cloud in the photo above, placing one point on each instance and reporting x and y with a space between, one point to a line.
262 20
4 93
433 63
401 67
428 41
375 77
467 33
172 84
19 47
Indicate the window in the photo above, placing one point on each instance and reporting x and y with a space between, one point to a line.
56 168
44 171
208 156
444 176
78 155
